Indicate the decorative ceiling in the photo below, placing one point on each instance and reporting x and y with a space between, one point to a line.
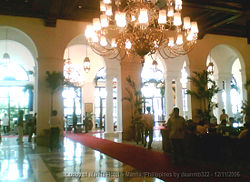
223 17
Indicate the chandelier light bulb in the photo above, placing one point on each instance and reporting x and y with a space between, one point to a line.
89 31
190 36
178 5
117 16
133 18
107 1
103 41
179 40
104 21
109 10
162 17
143 16
171 41
94 37
177 19
113 43
194 27
121 19
96 24
102 6
171 12
187 24
128 44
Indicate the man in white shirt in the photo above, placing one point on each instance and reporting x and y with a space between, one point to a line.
5 122
223 116
148 128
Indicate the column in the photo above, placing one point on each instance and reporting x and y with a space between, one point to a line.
179 101
130 66
44 97
119 104
228 95
219 99
243 88
109 126
168 96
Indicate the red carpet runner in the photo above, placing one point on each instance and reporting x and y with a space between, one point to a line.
151 162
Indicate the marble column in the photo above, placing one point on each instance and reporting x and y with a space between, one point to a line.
109 126
44 97
179 99
169 96
228 95
130 66
119 103
219 98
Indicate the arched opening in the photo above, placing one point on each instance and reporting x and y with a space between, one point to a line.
100 98
17 76
229 74
81 93
153 89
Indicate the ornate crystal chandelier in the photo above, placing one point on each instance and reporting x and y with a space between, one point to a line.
72 73
141 27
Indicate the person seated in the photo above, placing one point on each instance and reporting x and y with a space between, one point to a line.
245 132
233 132
201 128
222 129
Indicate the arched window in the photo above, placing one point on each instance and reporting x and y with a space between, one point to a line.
13 72
153 89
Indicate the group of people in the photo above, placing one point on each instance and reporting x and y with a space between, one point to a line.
144 124
177 128
31 124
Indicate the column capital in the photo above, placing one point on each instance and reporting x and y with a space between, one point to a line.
225 76
173 75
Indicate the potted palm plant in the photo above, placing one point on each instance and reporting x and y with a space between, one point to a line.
204 92
136 100
54 82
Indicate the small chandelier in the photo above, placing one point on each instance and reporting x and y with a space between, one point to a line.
6 56
155 64
86 62
210 66
141 28
72 73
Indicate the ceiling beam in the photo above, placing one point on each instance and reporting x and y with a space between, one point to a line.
200 5
53 12
206 29
248 31
225 21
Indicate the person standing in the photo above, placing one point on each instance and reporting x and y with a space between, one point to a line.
148 127
31 127
223 116
176 127
54 130
20 126
5 121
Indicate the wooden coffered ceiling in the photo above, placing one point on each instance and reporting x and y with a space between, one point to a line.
224 17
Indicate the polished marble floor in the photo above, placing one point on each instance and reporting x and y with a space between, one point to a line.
74 162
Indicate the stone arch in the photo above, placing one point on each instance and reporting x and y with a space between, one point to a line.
23 46
21 37
224 56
